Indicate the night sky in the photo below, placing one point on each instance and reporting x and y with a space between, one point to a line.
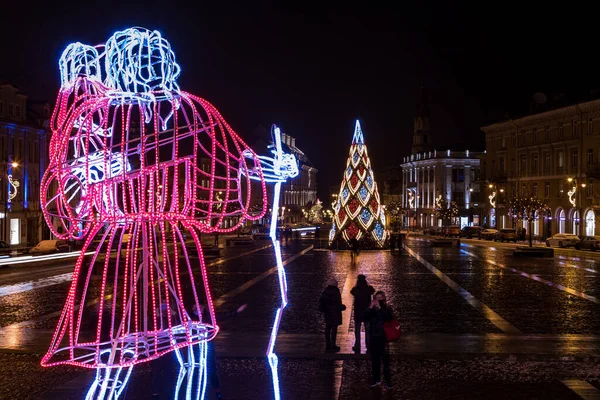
314 70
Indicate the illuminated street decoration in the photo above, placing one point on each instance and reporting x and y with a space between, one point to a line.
571 193
358 213
411 199
277 169
125 160
492 198
438 201
12 193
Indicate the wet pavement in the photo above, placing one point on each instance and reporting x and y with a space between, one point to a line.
476 321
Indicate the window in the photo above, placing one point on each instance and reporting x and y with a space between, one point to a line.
590 190
547 162
547 190
574 129
589 126
560 189
502 164
534 163
458 173
431 175
459 197
493 166
534 135
514 139
514 165
1 107
503 141
590 159
561 159
10 110
547 133
574 159
524 190
534 192
523 164
561 131
18 110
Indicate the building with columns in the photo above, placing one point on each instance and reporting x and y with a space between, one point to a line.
429 175
23 150
554 156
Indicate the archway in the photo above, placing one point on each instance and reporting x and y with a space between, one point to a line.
590 223
575 222
561 221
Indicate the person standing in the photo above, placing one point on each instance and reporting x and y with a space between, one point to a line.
379 312
354 249
330 304
362 293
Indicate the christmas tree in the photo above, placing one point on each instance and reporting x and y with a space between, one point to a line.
358 211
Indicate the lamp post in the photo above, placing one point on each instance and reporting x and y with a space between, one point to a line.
493 200
576 202
9 195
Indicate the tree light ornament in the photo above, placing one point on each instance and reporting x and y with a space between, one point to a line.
133 156
358 211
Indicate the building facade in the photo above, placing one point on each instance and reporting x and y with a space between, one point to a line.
553 156
23 159
431 176
298 194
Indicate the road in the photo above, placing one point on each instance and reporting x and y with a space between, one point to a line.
476 321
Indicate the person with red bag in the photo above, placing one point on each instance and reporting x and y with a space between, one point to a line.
378 314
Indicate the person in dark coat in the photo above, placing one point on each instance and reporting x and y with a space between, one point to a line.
354 249
330 304
377 314
362 293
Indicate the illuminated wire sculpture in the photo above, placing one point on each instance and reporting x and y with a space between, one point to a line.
277 169
136 165
358 211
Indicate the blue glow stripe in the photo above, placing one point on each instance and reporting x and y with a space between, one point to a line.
39 283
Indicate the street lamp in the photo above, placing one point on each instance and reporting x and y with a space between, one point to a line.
576 202
9 195
494 189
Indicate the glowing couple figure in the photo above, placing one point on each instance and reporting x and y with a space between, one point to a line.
136 163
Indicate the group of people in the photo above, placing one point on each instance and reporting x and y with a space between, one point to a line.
371 311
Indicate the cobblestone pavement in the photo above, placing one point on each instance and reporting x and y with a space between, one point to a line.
476 321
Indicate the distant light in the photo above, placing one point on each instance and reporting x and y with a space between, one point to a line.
15 164
490 186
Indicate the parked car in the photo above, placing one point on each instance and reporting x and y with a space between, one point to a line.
49 247
470 231
5 249
452 231
506 235
588 243
435 230
562 240
489 234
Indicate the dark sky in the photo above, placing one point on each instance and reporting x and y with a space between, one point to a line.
313 70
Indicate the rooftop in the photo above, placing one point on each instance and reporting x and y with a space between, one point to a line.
442 154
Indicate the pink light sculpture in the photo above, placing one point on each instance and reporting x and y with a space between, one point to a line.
136 165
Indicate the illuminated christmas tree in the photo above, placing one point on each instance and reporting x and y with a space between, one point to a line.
358 211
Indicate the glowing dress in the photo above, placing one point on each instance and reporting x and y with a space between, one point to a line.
143 160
